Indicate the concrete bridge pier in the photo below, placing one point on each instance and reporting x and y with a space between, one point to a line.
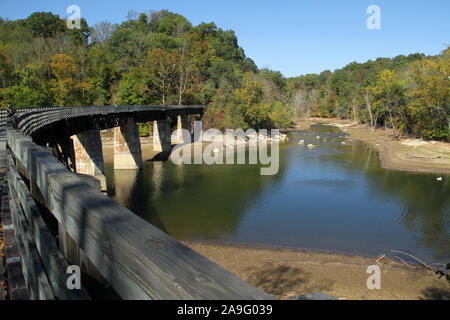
186 124
161 136
183 122
87 146
127 146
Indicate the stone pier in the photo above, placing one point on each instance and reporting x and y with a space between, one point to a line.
183 122
88 155
127 146
161 136
186 125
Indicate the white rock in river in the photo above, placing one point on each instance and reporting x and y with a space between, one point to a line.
311 146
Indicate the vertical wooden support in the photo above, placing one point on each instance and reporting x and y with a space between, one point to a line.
76 256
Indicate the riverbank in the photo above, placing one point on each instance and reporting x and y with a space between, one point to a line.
288 272
413 155
403 154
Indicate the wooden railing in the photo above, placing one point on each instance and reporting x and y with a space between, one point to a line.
138 260
3 116
4 113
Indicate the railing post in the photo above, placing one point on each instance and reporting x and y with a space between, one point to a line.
76 256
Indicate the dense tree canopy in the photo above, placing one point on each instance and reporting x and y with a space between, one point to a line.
407 93
152 58
159 57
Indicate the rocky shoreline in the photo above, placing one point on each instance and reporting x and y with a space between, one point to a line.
403 154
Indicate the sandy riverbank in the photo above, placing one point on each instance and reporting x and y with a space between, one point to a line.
403 154
287 272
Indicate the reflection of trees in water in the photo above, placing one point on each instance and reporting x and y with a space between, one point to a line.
425 201
190 201
127 188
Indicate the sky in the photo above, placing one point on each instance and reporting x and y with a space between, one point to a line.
295 37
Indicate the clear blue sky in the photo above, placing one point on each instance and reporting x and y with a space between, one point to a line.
295 37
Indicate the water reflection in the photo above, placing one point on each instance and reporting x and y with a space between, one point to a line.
425 202
189 201
333 197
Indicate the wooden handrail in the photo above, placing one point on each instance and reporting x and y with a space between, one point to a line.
31 225
138 260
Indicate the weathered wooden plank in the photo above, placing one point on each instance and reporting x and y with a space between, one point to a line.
16 281
52 258
137 259
75 255
37 283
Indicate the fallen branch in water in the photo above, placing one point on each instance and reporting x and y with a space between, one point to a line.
415 258
402 261
439 272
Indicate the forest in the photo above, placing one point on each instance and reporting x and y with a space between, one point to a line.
410 94
159 57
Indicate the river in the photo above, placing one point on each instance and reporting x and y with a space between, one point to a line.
335 197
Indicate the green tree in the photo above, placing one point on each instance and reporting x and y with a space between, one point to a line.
67 88
45 24
430 97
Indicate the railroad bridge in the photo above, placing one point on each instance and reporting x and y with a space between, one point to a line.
55 216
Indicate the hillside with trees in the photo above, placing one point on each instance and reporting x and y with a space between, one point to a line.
159 58
410 94
150 59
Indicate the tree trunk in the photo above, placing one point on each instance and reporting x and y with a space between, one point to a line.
369 108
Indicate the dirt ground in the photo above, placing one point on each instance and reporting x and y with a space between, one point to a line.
287 272
403 154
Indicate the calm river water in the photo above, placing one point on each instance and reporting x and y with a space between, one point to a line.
333 198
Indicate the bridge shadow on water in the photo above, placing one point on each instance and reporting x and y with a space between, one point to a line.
162 156
189 201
